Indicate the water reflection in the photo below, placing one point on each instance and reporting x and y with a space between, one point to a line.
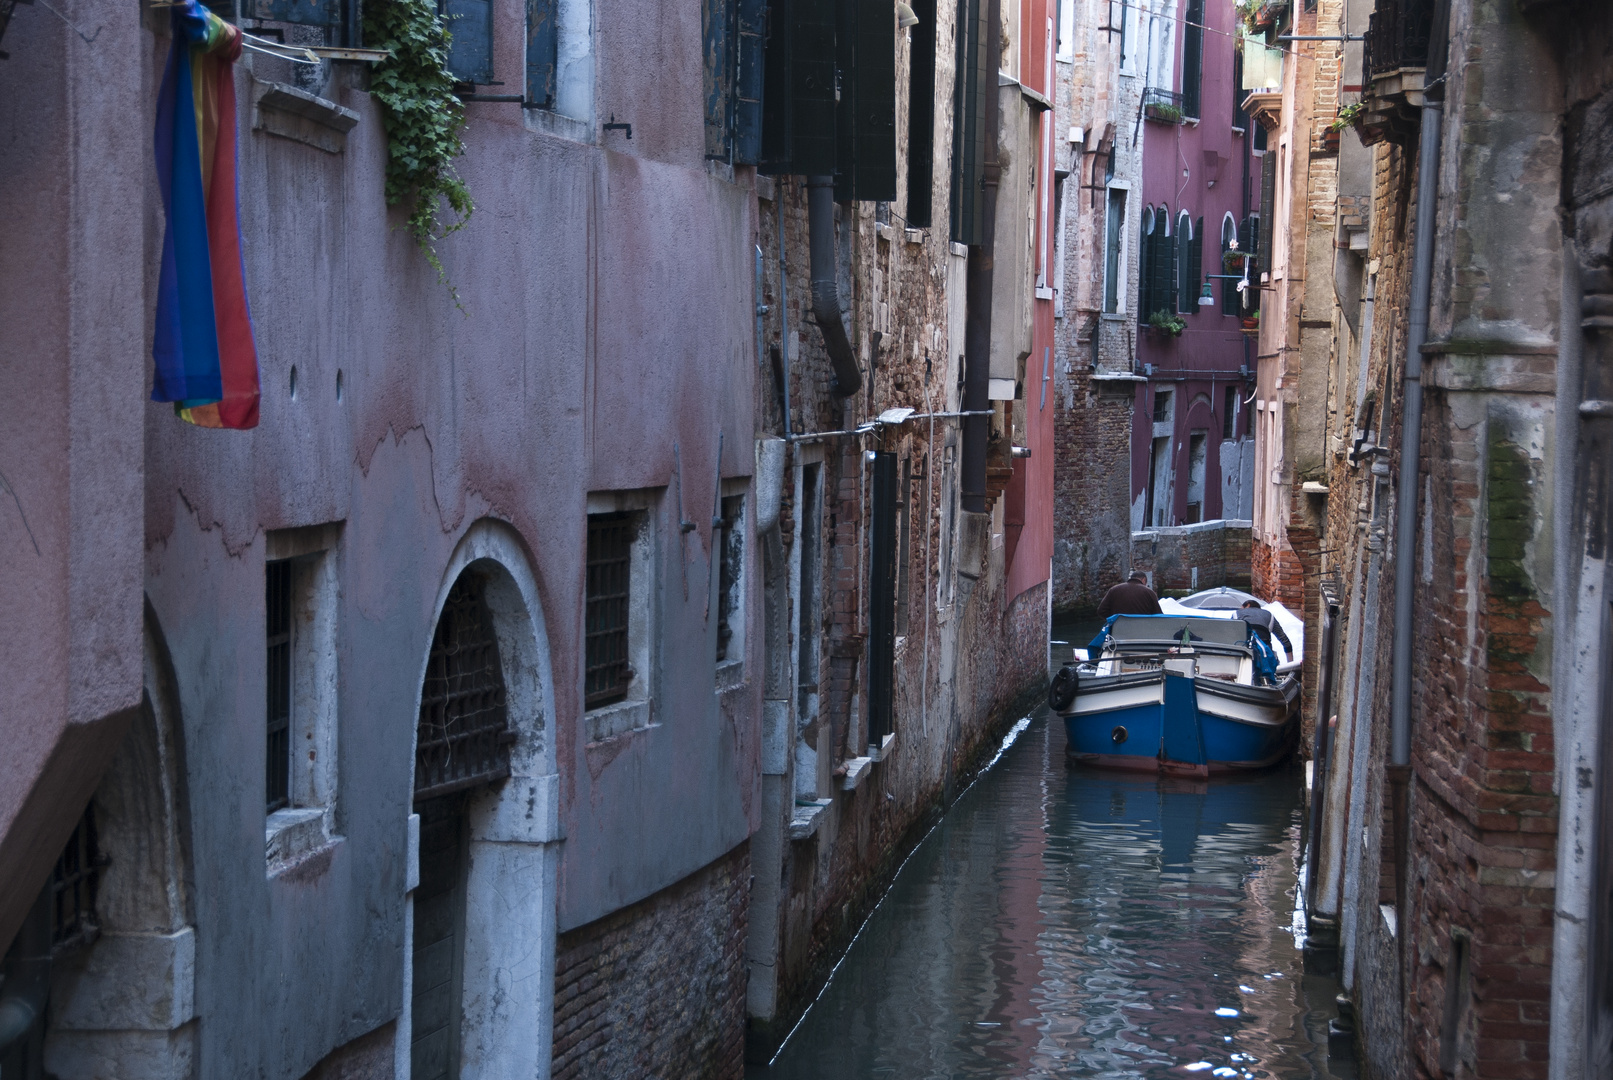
1082 924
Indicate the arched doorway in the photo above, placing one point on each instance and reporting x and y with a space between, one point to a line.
479 980
123 977
462 743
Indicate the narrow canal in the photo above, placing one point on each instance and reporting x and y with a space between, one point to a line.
1062 923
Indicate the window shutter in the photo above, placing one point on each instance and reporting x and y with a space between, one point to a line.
969 121
1164 268
1192 57
798 131
882 599
718 64
921 117
748 96
542 44
1195 262
470 40
1268 199
869 113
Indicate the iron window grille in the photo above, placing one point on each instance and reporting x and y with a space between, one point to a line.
1397 36
277 595
73 886
610 552
464 735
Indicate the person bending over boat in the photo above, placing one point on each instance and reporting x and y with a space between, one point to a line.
1265 624
1130 597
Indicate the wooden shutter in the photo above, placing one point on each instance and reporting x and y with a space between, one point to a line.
969 122
1192 58
301 12
1195 263
866 117
1268 200
798 104
717 62
921 117
747 128
1145 269
470 39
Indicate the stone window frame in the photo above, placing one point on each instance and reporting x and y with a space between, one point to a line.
731 545
308 821
636 710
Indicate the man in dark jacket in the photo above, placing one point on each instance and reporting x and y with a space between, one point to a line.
1130 597
1265 624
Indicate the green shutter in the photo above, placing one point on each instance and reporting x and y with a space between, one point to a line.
1195 261
1145 268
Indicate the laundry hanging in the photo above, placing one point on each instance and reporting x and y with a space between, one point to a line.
207 364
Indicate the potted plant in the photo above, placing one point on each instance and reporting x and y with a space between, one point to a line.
1169 114
1251 321
1347 116
1167 322
1232 260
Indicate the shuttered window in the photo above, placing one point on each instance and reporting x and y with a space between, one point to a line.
969 121
1145 266
882 599
921 116
1190 259
1114 232
1192 58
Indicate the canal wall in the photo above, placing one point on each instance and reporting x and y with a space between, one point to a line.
833 879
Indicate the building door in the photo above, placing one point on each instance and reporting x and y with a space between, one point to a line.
439 931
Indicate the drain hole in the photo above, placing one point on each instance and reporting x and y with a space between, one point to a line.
1118 735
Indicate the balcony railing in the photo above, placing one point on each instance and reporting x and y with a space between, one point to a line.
1397 36
1163 105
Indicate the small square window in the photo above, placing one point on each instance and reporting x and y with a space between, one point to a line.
277 603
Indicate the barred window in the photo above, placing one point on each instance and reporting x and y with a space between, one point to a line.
731 556
277 590
73 886
610 550
464 736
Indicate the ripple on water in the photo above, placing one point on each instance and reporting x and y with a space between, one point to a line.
1080 924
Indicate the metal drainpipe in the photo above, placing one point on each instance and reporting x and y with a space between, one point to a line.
26 970
978 292
1406 511
825 288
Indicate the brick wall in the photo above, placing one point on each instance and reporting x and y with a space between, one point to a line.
1091 483
1219 552
657 989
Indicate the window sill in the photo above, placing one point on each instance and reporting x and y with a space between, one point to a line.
552 123
609 721
302 117
804 822
857 770
290 834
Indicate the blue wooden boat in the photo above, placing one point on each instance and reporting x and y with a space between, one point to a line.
1185 694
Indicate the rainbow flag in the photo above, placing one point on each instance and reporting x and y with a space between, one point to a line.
206 362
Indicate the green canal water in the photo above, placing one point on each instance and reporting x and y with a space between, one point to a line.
1061 923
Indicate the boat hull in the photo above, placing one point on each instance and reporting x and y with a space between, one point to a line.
1180 725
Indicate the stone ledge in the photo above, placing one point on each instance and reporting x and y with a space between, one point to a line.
804 822
302 117
883 749
857 770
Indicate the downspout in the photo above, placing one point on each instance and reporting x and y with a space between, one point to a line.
978 290
825 288
1411 430
25 976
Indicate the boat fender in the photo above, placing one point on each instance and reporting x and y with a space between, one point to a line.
1061 694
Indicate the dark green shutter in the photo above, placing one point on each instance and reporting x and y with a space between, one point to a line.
301 12
969 121
542 42
1195 262
921 117
1192 57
